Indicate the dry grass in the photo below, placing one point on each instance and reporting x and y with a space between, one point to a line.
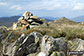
58 30
69 31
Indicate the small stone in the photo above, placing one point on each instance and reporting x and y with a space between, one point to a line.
27 15
30 20
34 17
23 21
33 26
34 23
41 54
15 26
21 18
43 20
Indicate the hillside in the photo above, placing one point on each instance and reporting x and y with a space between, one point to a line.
8 21
64 20
33 36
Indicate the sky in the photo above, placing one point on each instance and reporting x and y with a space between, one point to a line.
53 8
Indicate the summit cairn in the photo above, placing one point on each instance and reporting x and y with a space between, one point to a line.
27 15
28 21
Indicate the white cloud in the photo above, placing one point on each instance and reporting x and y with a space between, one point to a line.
45 5
48 5
3 4
16 7
51 4
53 7
78 6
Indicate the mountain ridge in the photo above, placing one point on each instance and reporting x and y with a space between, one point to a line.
78 18
11 19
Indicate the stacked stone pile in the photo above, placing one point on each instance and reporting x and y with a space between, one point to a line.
28 21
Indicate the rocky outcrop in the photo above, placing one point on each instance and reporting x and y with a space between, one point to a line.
50 45
28 21
35 44
76 45
3 32
27 45
22 46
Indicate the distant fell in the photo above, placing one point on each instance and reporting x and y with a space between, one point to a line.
78 19
7 21
65 20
